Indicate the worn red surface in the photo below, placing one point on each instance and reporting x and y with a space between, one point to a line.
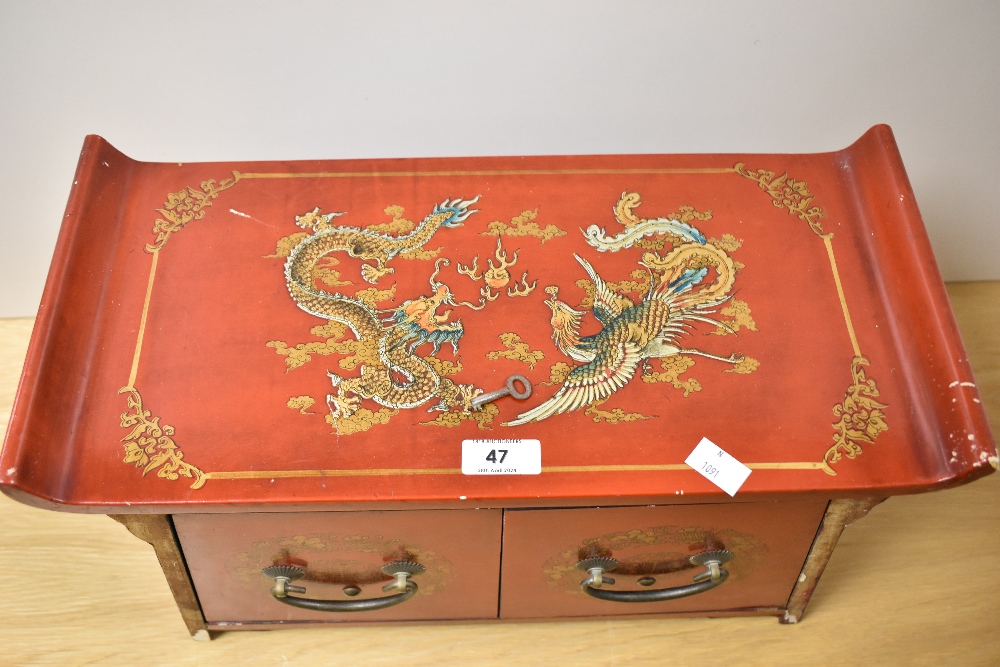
218 297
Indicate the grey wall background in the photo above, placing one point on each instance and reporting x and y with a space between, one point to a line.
192 81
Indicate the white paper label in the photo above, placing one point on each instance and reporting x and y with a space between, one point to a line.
501 457
718 467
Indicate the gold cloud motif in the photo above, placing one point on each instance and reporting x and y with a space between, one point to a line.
302 404
362 420
558 372
523 225
745 366
739 311
516 350
398 224
672 368
285 245
483 418
614 416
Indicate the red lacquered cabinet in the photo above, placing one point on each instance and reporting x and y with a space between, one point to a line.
281 375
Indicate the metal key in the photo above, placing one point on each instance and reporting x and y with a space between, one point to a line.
510 390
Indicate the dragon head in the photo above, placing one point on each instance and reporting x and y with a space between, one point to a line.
316 221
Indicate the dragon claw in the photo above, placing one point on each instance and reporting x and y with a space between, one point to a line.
371 274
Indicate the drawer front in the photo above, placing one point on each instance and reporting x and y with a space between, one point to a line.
769 542
460 550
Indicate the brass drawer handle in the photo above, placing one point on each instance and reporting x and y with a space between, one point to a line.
714 575
402 570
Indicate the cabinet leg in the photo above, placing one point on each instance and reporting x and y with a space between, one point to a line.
158 531
839 514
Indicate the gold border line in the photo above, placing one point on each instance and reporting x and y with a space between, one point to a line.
142 321
828 242
263 474
389 472
510 172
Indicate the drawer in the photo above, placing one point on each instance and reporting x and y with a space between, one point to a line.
769 543
460 550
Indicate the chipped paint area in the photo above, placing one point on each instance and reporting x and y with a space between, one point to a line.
986 457
11 471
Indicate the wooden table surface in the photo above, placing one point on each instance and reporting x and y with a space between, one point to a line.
911 584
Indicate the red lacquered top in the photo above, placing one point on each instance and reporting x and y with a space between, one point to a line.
278 335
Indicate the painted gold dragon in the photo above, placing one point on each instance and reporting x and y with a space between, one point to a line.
366 244
400 378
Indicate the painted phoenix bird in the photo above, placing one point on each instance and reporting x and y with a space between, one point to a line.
635 332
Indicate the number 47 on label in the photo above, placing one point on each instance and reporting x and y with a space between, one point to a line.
492 456
501 457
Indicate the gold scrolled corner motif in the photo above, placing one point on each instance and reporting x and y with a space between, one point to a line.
860 416
184 206
861 419
150 445
787 193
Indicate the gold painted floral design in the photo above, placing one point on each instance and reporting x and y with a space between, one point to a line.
150 445
787 193
860 417
185 206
